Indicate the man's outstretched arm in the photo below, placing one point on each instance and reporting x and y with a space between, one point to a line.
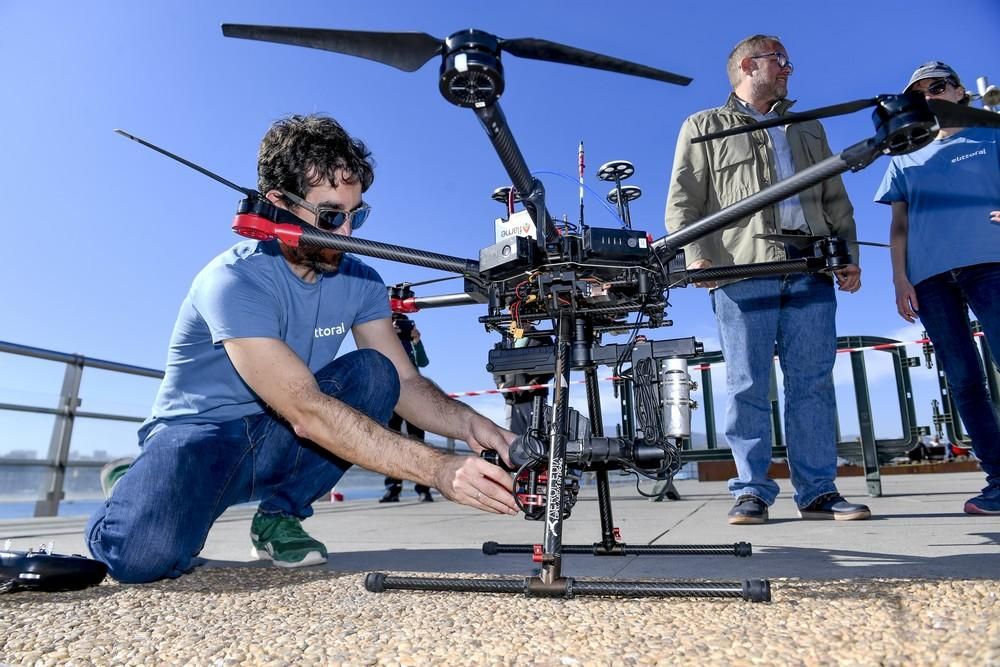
421 402
285 383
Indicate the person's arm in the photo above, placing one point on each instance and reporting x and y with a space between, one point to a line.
840 214
687 200
906 296
421 402
280 378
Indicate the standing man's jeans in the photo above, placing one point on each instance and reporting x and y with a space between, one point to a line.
944 302
159 515
798 312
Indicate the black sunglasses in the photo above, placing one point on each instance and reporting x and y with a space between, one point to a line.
937 87
329 218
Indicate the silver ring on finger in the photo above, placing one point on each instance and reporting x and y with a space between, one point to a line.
479 495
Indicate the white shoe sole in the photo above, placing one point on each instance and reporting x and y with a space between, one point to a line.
843 516
311 558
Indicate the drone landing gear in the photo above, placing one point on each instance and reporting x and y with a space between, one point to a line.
550 582
611 544
567 587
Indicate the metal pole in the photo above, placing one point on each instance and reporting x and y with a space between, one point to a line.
552 540
608 540
777 434
62 433
863 399
708 405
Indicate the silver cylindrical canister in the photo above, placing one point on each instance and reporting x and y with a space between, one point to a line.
675 398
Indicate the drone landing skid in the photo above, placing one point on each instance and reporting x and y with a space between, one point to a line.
739 549
754 590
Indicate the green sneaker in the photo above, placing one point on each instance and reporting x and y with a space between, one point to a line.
112 471
280 538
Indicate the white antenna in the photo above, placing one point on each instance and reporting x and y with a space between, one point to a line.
990 95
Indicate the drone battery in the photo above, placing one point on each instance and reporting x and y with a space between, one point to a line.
615 244
507 258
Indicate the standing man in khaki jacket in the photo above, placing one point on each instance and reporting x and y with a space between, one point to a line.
797 311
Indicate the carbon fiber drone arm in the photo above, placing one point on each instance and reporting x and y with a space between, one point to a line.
529 188
805 265
854 157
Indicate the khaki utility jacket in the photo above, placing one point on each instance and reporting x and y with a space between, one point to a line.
710 176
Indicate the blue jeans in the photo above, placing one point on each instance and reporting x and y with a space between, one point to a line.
157 519
798 312
944 301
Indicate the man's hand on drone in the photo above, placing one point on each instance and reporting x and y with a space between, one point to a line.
849 278
483 434
472 481
702 264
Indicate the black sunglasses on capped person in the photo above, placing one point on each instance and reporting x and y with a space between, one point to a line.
937 87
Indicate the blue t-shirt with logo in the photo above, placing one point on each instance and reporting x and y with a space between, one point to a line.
949 186
250 291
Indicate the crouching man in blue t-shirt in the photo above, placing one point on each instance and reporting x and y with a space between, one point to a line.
945 238
256 405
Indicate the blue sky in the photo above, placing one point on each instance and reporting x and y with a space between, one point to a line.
104 236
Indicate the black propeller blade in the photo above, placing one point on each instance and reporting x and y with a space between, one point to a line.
948 114
541 49
814 114
959 115
800 241
407 51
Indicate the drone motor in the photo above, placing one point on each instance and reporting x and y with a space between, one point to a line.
903 123
471 72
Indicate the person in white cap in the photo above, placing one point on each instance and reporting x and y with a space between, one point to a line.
945 238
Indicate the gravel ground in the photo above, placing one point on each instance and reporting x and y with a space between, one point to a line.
244 616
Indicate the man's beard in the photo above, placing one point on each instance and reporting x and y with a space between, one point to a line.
773 90
318 260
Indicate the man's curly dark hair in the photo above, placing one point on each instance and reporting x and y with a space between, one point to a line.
300 152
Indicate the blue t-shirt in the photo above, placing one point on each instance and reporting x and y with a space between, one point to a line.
250 291
949 186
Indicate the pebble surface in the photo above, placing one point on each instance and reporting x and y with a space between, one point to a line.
277 617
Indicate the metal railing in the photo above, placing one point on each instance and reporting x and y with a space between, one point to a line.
66 413
869 449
